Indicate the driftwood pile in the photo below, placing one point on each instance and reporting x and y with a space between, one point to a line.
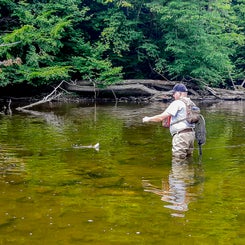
152 90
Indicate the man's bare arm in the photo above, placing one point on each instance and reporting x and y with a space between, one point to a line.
157 118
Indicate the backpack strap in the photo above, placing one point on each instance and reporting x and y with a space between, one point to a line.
181 120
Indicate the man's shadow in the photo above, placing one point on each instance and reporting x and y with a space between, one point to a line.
183 185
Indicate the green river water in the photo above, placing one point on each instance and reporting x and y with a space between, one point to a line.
53 191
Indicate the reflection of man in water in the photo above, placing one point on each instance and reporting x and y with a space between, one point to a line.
177 191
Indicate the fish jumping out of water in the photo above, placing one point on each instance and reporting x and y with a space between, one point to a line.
96 146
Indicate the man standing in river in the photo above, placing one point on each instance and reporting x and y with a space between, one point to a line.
182 131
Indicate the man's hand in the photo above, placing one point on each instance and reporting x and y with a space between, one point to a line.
146 119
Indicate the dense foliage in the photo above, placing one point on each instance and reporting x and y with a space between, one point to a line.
45 41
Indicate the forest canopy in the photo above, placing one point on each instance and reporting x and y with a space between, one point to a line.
103 41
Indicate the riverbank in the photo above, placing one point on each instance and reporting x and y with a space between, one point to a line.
135 91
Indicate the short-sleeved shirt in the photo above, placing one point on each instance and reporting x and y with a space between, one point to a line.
177 110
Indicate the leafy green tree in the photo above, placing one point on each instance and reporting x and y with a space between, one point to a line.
39 35
238 58
51 38
197 39
115 25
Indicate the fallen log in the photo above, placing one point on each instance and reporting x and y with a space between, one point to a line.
226 94
124 89
153 89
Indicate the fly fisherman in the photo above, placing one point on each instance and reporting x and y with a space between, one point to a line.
182 131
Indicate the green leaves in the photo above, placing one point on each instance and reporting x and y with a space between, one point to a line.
198 39
105 40
53 46
46 74
94 68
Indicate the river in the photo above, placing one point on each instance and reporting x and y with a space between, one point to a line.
55 188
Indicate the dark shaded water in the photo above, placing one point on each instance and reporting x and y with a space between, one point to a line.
53 191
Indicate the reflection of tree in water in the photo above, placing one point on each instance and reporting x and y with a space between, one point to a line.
49 117
181 188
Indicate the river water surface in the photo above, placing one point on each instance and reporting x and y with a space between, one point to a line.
53 190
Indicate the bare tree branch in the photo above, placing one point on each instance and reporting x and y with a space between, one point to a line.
53 95
243 83
233 84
